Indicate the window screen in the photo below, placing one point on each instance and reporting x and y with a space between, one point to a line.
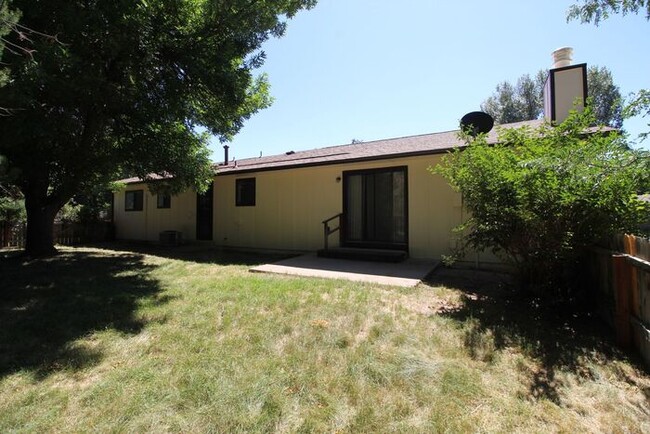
164 200
245 192
133 200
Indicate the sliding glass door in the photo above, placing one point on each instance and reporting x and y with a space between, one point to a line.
375 208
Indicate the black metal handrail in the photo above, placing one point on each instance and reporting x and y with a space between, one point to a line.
327 230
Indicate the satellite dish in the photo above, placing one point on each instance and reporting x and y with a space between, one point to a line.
476 123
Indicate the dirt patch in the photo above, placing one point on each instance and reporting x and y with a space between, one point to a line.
430 303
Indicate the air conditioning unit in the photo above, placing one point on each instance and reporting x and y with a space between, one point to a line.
170 238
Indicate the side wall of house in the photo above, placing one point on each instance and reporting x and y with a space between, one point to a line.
291 205
148 223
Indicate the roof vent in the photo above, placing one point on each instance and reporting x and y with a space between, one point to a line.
562 57
225 154
475 123
289 153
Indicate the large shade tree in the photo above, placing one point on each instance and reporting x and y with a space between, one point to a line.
594 11
122 89
8 19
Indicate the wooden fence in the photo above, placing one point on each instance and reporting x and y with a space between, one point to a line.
67 234
621 274
12 235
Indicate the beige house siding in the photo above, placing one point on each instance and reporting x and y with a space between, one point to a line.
296 191
292 203
148 223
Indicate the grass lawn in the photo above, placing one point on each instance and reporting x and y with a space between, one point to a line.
190 341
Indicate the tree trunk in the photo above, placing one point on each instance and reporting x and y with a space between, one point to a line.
40 231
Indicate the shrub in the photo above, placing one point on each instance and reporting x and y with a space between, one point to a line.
539 198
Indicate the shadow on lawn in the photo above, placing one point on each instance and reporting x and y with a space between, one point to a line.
47 304
557 335
200 253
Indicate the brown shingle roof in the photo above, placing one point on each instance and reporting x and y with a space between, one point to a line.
376 150
425 144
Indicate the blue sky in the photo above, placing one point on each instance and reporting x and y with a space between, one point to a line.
375 69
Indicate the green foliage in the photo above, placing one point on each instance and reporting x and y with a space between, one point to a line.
8 19
639 105
525 100
87 208
605 97
12 210
540 197
90 207
68 213
12 205
594 11
126 88
515 103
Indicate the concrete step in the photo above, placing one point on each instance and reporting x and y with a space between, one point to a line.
359 254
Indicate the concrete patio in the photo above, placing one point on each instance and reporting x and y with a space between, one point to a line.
406 274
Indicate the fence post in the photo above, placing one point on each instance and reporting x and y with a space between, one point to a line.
622 292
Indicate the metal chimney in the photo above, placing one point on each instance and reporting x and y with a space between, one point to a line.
565 89
225 154
562 57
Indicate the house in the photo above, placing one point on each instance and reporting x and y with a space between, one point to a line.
381 194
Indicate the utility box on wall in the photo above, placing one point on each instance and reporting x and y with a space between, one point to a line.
170 238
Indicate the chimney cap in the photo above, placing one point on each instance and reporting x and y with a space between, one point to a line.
562 57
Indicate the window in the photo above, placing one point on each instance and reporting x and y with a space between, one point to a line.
133 200
245 192
164 200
